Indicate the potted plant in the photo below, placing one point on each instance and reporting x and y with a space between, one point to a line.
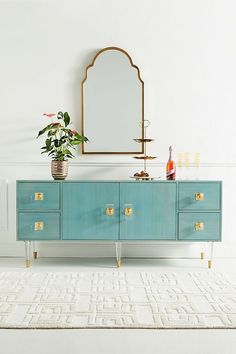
59 142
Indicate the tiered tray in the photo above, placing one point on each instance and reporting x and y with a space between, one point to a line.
143 175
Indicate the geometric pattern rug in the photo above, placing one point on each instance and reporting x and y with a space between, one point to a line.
117 299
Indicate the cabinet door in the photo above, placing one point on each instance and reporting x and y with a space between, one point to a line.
90 211
148 211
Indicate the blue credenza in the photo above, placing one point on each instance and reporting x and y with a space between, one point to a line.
118 211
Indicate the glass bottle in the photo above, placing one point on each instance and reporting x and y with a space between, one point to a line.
170 167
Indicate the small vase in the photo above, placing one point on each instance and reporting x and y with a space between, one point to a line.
59 169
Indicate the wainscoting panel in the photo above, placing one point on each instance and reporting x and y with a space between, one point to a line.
3 206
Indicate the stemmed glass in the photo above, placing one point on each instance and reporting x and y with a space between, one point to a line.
186 164
197 163
180 165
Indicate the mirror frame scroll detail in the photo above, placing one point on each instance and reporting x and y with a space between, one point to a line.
142 98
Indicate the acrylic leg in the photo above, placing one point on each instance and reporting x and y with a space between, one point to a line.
202 254
35 253
211 255
118 254
27 254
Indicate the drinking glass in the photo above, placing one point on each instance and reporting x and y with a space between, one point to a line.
197 164
180 166
186 165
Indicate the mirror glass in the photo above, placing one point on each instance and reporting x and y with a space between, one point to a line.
112 104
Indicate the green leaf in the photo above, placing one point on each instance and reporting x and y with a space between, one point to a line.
67 152
48 143
41 132
66 118
60 115
50 133
81 138
76 142
56 143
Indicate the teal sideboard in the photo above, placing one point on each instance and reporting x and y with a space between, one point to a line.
118 211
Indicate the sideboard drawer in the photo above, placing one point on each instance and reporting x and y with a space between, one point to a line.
38 226
38 196
200 226
199 196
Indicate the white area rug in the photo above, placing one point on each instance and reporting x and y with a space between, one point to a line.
117 300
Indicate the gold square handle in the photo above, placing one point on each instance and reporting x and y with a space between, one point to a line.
110 211
38 196
128 211
199 226
199 196
38 225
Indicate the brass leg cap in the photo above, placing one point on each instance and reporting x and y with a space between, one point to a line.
202 255
27 263
118 263
35 255
209 264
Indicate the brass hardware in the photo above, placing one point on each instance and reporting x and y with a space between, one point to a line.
27 263
35 255
202 255
128 211
38 225
38 196
209 264
110 211
118 263
199 226
199 196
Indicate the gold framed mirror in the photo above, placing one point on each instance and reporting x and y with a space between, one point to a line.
112 104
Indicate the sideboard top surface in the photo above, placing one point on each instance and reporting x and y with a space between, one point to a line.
116 181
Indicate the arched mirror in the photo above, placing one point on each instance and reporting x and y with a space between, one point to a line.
112 104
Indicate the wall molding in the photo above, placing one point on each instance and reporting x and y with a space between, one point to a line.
111 164
3 205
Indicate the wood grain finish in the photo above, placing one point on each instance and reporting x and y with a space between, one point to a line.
27 229
211 228
85 211
119 210
154 211
211 191
26 195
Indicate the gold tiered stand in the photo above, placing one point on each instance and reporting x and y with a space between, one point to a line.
143 175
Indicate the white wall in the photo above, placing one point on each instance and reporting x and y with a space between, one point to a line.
186 52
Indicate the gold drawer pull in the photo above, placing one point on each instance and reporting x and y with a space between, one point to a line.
199 226
38 196
110 211
38 225
199 196
128 211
